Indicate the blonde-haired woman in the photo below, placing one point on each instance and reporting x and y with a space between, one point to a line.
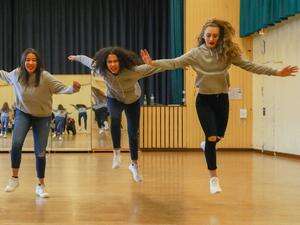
211 60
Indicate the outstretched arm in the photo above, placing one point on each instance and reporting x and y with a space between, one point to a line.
57 87
287 71
83 59
74 106
182 61
259 69
156 66
6 76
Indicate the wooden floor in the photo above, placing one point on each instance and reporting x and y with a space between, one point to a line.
103 141
257 190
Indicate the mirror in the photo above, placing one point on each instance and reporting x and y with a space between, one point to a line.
71 123
7 118
68 133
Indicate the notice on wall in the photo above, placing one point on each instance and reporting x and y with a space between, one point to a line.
243 113
235 93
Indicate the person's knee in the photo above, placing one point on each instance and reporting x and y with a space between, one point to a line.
115 121
212 138
17 144
134 139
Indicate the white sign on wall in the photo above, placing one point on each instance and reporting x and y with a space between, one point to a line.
235 93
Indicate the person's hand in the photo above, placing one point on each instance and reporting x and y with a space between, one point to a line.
76 86
146 57
287 71
71 57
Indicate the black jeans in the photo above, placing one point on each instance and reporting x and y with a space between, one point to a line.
213 113
101 116
132 112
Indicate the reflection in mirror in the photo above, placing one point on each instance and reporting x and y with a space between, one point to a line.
71 118
101 136
7 116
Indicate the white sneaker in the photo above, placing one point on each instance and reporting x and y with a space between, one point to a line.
116 163
1 134
101 130
40 191
135 172
13 183
202 145
214 185
5 136
60 138
106 126
54 135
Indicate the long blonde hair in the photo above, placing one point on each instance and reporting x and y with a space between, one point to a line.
226 48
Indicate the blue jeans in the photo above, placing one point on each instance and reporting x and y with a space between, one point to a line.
132 112
4 123
59 124
40 127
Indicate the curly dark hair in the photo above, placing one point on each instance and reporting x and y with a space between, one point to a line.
127 59
24 75
225 46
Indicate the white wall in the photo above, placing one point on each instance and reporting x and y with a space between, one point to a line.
279 129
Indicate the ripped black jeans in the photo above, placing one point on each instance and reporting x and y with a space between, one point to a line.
213 111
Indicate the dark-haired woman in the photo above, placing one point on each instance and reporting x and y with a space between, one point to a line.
33 87
121 69
82 113
211 60
4 119
60 118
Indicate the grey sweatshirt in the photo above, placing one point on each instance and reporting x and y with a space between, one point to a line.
124 87
212 74
4 114
36 101
60 113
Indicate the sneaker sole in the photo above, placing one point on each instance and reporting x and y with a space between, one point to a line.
115 167
5 190
47 196
9 190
